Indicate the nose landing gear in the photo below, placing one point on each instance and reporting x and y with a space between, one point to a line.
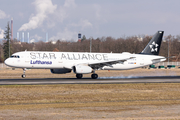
24 71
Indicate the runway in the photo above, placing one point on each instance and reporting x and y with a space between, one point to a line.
101 80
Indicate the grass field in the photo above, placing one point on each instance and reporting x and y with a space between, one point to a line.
90 101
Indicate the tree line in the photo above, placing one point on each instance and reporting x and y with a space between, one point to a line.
105 45
132 44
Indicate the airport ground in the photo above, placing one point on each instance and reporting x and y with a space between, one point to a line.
90 101
45 73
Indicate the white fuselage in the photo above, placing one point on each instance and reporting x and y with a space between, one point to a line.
57 60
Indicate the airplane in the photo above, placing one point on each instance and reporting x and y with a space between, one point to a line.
84 63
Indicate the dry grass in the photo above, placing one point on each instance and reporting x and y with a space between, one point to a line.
85 101
90 101
93 94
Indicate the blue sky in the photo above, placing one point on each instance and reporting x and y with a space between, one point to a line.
63 19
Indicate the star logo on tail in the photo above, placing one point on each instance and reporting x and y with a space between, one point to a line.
154 47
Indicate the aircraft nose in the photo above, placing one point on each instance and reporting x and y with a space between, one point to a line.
7 62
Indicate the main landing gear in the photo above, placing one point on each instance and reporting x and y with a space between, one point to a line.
24 75
79 76
93 76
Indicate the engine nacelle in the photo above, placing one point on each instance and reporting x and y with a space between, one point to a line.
60 71
80 69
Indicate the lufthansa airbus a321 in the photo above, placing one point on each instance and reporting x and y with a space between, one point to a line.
84 63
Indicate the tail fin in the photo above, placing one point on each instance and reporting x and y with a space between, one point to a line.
153 46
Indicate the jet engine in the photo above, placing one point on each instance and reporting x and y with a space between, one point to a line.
60 71
80 69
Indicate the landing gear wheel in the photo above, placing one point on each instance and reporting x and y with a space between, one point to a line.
94 76
23 75
79 76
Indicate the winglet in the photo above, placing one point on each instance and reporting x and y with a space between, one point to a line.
153 46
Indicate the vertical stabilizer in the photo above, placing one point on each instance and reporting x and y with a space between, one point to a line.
153 46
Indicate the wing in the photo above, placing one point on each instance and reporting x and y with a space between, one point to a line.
107 63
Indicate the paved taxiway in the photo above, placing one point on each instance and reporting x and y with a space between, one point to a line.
101 80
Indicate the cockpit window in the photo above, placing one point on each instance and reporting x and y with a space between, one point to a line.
15 56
